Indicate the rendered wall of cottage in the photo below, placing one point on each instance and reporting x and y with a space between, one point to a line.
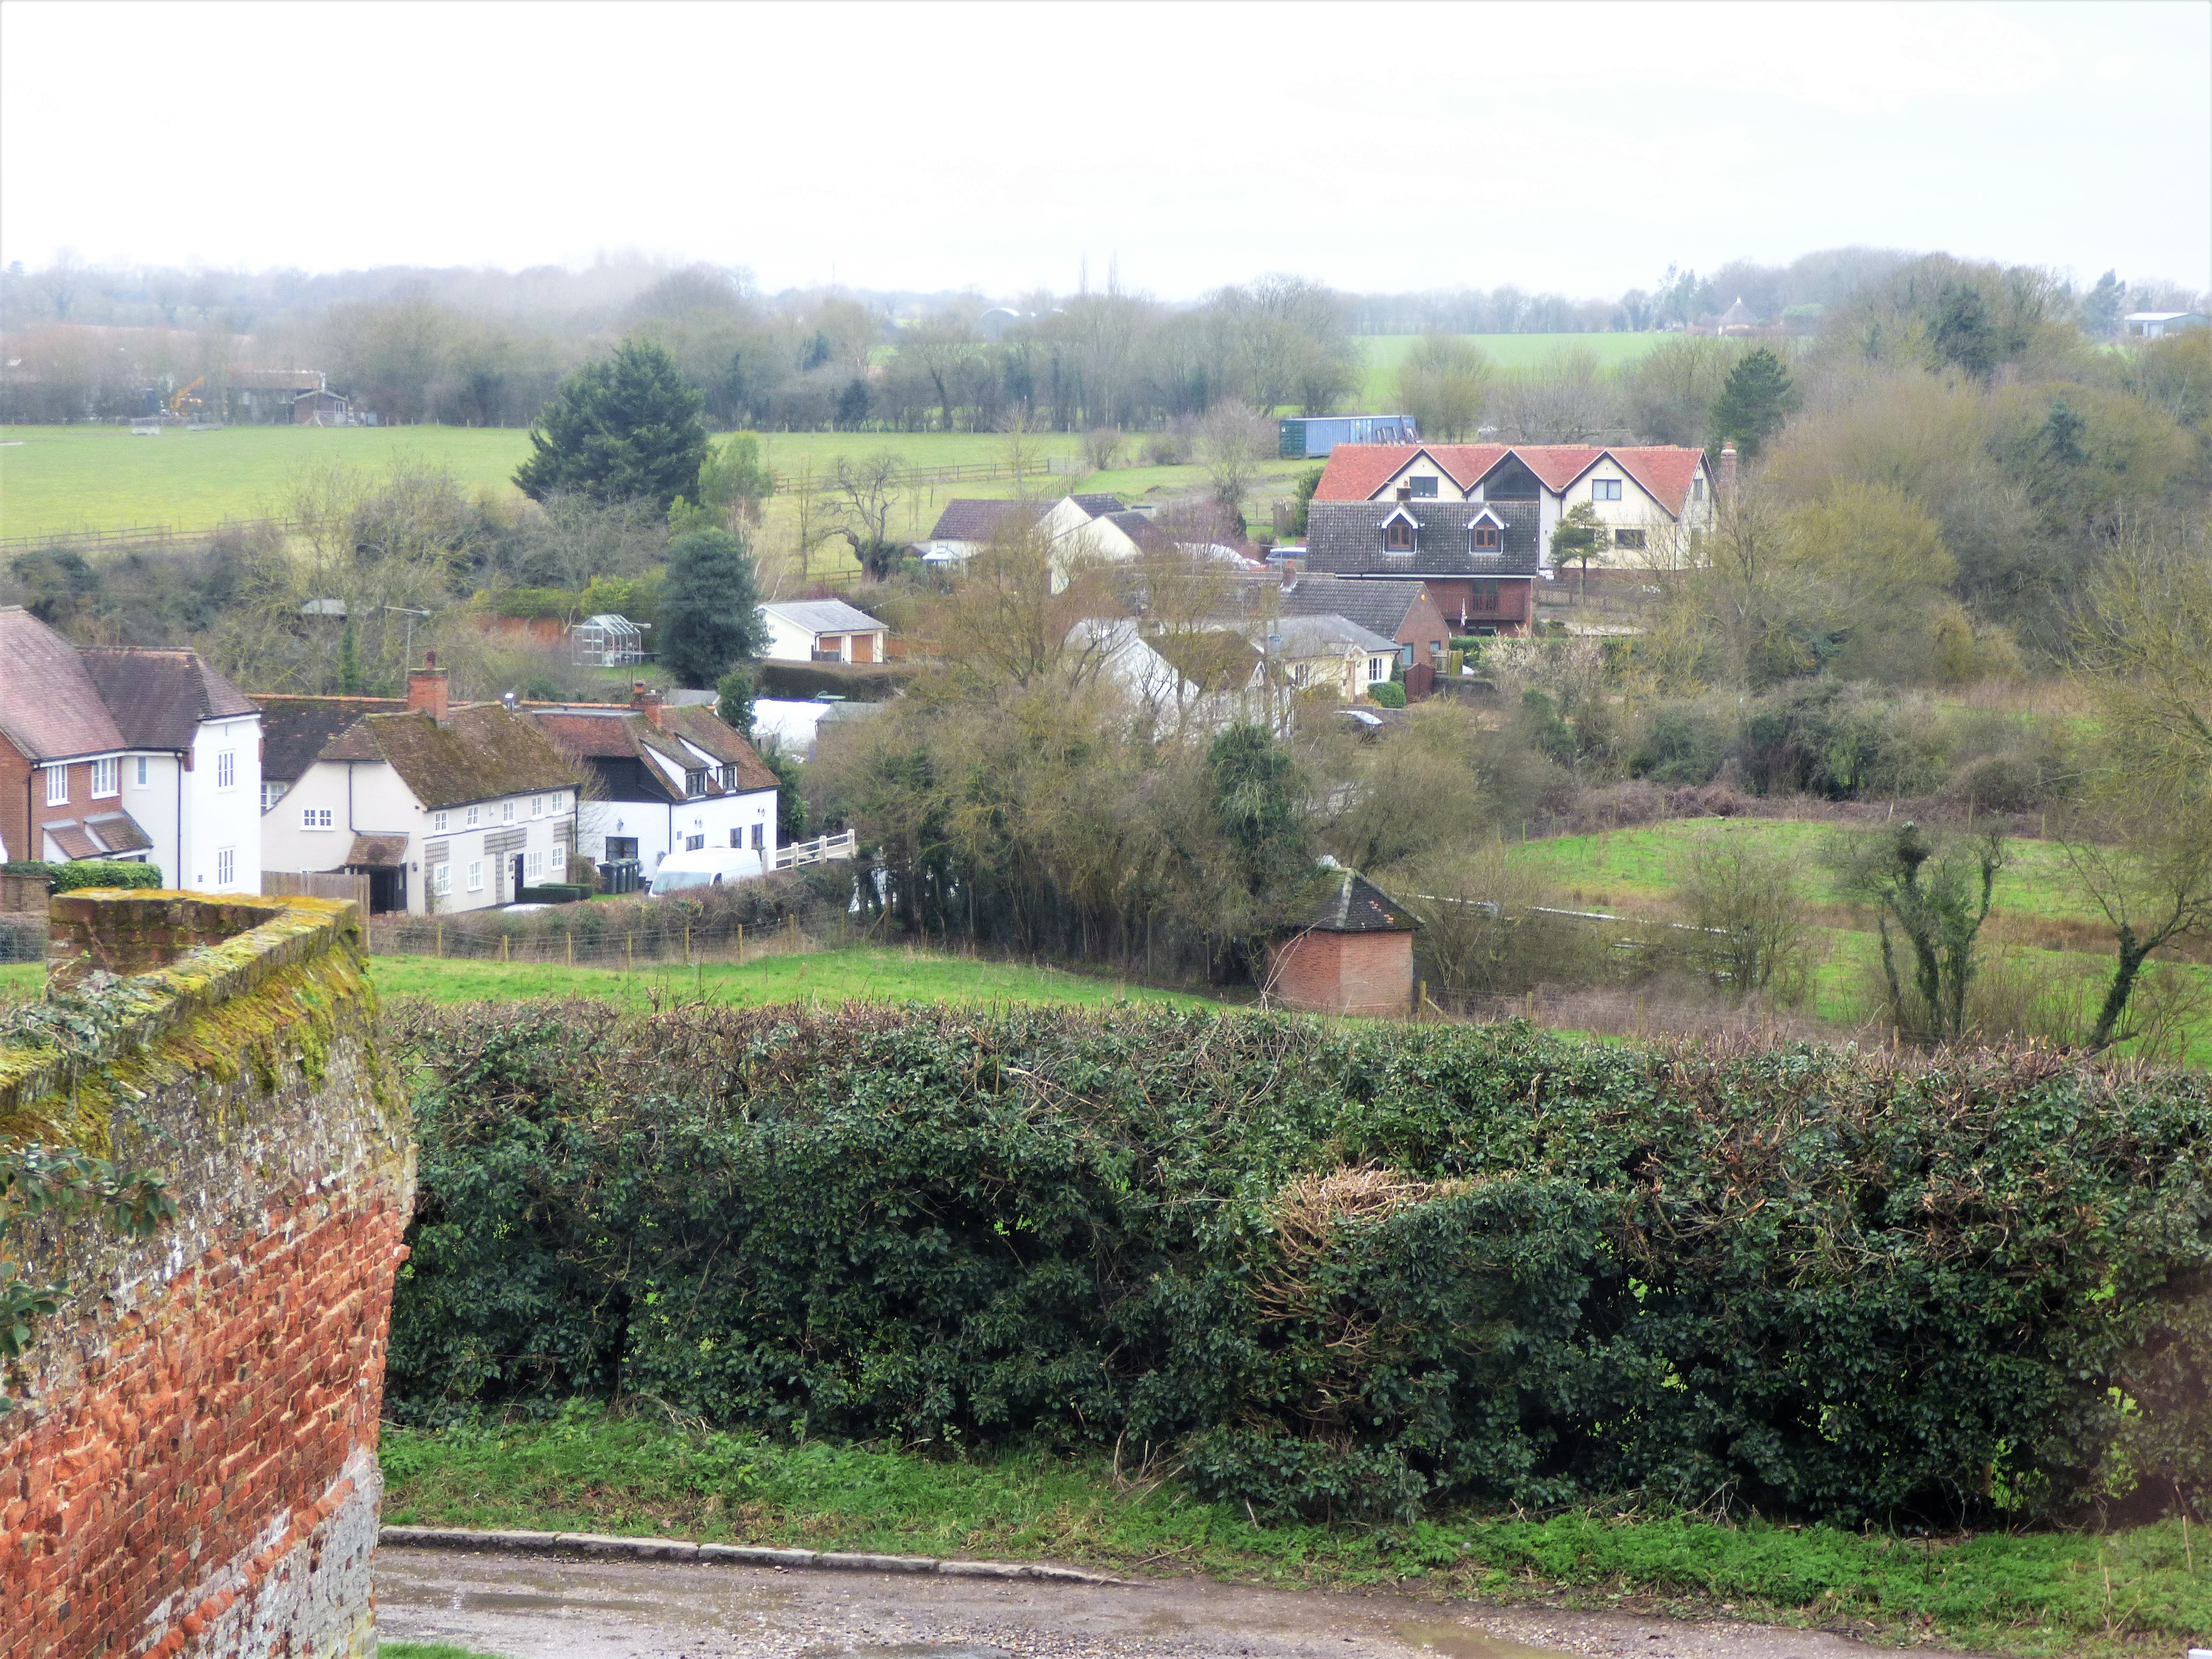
190 1469
1346 973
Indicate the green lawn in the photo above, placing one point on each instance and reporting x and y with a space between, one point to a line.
2033 1594
827 976
1383 352
1632 866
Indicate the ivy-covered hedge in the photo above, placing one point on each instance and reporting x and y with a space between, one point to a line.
86 872
1338 1270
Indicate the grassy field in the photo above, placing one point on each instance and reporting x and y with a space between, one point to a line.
828 976
2039 1593
1383 351
55 479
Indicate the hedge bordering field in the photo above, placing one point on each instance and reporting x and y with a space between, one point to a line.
1338 1270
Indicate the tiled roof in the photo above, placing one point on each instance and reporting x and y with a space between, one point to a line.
1315 636
102 835
621 734
966 519
482 751
706 729
822 615
159 697
1098 506
49 707
1379 605
1356 471
379 851
295 729
1214 660
1346 538
1343 902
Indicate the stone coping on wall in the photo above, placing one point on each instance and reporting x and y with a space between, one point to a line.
205 951
606 1546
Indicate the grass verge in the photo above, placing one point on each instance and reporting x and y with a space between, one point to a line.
2139 1591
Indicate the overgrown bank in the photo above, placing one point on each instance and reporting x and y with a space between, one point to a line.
2143 1590
1338 1272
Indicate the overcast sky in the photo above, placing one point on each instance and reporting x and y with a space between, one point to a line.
1574 148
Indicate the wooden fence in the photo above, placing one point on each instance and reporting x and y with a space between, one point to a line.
317 884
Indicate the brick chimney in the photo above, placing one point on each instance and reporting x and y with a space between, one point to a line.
1726 488
646 700
426 688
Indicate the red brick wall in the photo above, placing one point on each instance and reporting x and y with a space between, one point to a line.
15 828
1346 973
190 1468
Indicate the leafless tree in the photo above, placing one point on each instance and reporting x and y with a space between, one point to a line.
1237 442
867 494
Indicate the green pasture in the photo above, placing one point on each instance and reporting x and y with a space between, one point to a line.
1632 867
1384 352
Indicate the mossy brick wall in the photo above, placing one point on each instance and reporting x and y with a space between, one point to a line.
192 1466
134 935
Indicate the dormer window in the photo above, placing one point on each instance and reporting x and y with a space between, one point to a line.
1400 532
1484 538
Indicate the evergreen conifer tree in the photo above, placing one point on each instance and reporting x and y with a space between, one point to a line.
625 429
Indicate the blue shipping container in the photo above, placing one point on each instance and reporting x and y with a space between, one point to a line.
1312 438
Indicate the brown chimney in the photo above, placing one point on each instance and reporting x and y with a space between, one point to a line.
426 689
1405 492
646 700
1727 485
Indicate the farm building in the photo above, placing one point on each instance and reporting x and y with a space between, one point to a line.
282 396
2156 324
1354 956
1315 436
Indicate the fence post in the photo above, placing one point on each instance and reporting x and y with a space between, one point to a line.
572 947
630 953
502 947
438 932
741 945
687 944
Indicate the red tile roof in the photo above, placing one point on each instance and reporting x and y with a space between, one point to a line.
49 707
1355 472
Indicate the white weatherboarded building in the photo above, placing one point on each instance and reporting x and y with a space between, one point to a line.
443 809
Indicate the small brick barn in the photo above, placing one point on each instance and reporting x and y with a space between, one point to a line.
1354 955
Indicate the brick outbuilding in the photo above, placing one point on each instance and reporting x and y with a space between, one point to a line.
1354 955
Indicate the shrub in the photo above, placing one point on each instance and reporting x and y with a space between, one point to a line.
87 872
857 681
1387 694
1343 1269
1842 742
1682 745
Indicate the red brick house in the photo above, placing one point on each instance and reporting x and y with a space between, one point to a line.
1354 956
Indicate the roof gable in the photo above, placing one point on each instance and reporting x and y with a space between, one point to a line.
49 705
296 730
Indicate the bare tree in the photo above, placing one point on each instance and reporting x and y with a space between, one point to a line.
1237 442
1565 399
867 494
1102 448
1742 895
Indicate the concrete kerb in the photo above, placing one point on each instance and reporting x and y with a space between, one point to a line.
605 1546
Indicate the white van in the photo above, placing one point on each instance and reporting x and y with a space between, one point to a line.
709 867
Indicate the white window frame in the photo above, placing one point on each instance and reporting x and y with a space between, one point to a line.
441 878
109 771
538 806
272 792
476 875
534 868
226 866
226 768
142 772
317 820
506 811
470 818
1605 489
57 785
438 823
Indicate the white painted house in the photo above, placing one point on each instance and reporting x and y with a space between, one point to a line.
442 808
821 630
130 753
669 780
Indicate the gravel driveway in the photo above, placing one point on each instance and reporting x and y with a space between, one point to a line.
537 1608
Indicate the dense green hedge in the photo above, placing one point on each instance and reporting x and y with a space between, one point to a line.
856 682
87 872
1340 1270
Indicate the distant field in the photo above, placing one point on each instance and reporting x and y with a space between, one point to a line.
1506 350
